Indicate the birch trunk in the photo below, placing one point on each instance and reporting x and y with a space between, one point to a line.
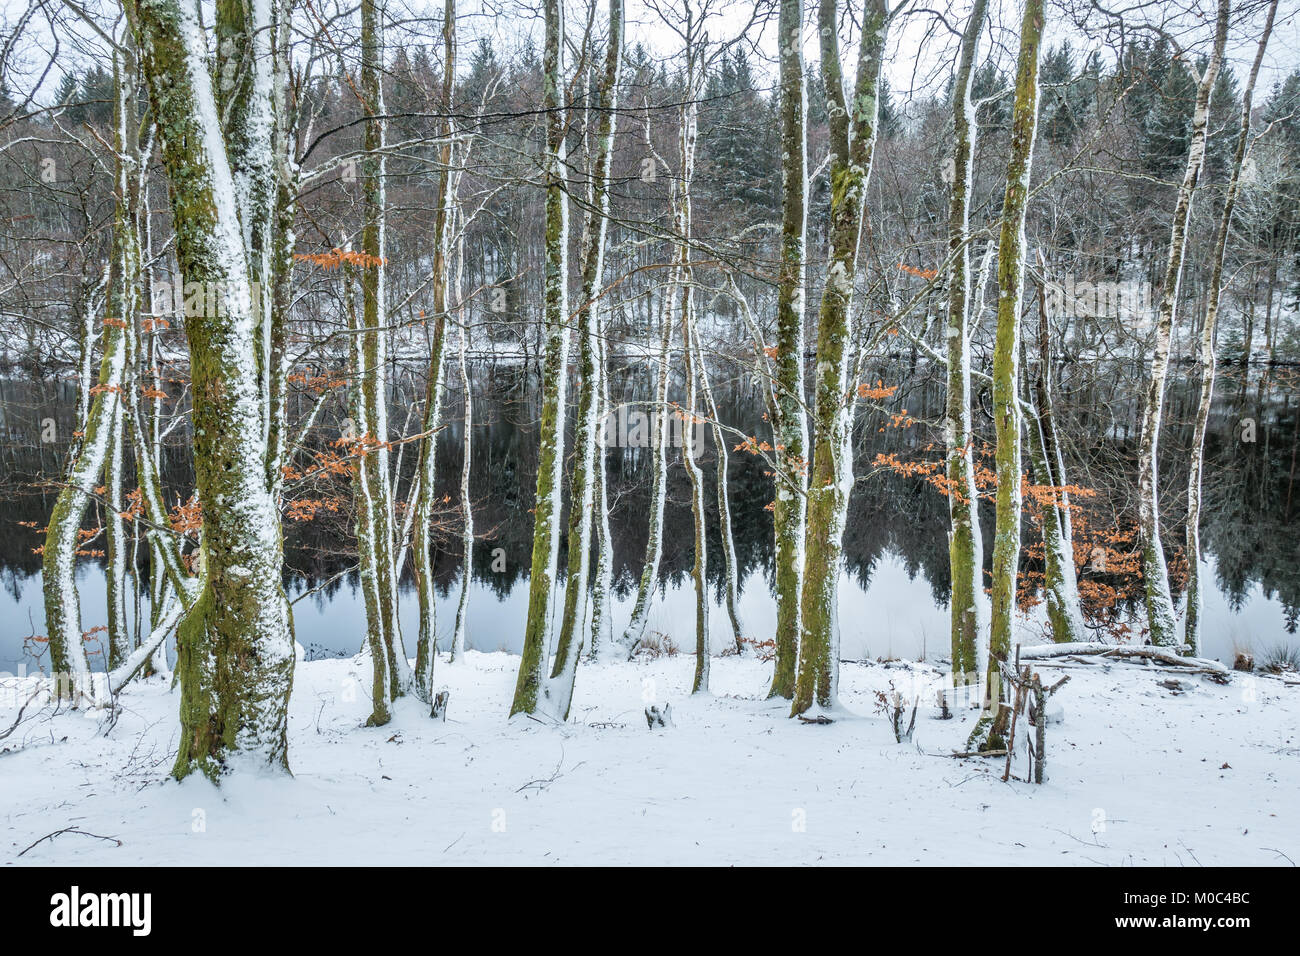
1060 577
547 501
1192 633
730 583
99 452
586 434
790 423
374 340
235 645
1006 359
466 504
1162 627
602 631
426 651
636 624
686 278
852 142
967 604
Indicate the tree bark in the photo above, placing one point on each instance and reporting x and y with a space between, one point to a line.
539 627
853 130
1162 627
1006 356
790 425
967 602
586 435
235 644
1192 628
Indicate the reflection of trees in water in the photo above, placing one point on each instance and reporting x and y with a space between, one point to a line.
1251 519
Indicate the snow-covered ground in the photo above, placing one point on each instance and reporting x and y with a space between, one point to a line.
1139 774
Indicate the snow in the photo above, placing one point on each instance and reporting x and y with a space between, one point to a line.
1136 774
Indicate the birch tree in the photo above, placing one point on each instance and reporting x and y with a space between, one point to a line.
582 484
1060 578
372 484
649 579
790 424
602 630
235 644
538 631
427 645
100 445
1162 627
683 221
467 460
730 573
965 544
1195 599
852 131
1006 360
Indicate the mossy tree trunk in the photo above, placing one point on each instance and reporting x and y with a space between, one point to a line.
373 383
790 425
852 126
235 644
965 544
1006 362
538 629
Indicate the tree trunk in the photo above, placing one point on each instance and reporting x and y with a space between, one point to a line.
1192 635
967 603
687 132
853 130
235 645
636 624
1162 627
790 425
582 481
426 651
730 584
1006 355
467 460
547 501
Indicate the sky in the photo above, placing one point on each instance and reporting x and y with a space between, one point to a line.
921 48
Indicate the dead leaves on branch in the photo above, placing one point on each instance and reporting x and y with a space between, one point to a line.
336 258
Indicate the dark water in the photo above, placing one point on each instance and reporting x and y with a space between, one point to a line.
893 599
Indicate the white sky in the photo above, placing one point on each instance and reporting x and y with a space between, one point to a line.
921 49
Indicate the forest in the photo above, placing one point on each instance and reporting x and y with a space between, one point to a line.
844 390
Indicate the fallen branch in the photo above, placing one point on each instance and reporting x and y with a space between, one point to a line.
1195 665
76 830
19 719
819 719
